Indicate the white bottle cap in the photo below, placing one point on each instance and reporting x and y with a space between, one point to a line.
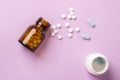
97 64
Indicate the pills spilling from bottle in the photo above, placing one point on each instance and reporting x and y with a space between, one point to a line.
68 25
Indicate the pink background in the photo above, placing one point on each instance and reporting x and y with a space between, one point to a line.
58 60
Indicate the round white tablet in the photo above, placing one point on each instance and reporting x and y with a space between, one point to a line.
55 31
52 34
60 37
77 29
69 17
71 30
59 26
70 35
96 64
74 17
71 9
72 13
54 27
67 25
63 16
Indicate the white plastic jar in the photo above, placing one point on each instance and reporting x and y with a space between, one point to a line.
96 64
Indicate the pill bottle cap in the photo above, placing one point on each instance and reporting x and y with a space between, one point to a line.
43 24
97 64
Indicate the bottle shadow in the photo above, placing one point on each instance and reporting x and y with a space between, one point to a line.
106 76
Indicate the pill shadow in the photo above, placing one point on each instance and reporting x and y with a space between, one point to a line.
42 47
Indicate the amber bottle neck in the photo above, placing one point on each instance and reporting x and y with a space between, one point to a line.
42 24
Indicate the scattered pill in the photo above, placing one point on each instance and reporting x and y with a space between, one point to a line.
72 13
70 30
69 17
77 29
74 17
86 36
67 25
52 34
91 23
55 31
63 16
71 9
59 26
60 37
70 35
54 27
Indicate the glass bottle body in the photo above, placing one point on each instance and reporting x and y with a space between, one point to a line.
34 34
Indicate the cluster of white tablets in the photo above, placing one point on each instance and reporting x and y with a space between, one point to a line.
70 16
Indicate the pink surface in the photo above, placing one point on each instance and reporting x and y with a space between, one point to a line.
58 60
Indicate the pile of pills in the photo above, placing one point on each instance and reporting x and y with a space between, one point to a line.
70 16
34 40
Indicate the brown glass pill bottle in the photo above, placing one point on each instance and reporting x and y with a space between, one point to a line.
34 34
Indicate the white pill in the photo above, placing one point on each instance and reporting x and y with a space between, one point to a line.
71 30
59 26
67 25
70 35
72 13
91 23
69 17
60 37
86 36
71 9
55 31
77 29
63 16
74 17
52 34
54 27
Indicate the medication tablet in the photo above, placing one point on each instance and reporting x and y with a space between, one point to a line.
55 31
71 9
52 34
63 16
96 64
70 35
69 17
86 36
59 26
67 25
91 23
77 29
72 13
60 37
74 17
70 30
54 27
